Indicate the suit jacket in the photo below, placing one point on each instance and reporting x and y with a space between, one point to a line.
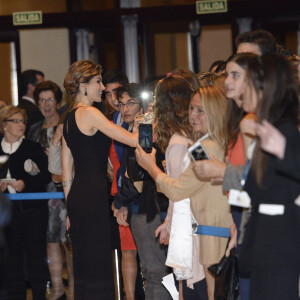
274 241
33 113
208 203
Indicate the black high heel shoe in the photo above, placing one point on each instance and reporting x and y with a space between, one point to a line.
62 297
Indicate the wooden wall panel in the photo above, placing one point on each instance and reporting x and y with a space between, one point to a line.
46 6
215 44
171 52
5 73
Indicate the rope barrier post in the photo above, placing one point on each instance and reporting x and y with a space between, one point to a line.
117 275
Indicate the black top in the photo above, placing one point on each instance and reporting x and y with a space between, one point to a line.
274 240
33 184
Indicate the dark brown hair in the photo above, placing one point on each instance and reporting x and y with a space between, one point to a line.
171 109
236 114
273 75
47 86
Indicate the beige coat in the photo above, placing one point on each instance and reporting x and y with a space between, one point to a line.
208 203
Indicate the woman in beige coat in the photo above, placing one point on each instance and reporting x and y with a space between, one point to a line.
209 204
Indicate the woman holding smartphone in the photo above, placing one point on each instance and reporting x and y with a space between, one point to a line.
27 231
87 138
208 204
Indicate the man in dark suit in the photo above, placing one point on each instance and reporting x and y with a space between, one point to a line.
28 81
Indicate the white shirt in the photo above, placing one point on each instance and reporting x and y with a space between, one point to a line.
10 149
29 99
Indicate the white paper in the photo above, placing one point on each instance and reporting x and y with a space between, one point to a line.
271 209
169 284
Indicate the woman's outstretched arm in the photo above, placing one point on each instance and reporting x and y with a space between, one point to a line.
91 119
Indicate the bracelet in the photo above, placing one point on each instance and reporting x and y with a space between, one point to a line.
67 184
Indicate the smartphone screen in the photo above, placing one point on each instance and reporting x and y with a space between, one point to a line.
197 152
145 137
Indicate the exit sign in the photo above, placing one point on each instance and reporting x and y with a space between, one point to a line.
211 6
27 18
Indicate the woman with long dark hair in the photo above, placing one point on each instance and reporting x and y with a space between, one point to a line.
270 251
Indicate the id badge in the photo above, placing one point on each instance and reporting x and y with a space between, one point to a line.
239 198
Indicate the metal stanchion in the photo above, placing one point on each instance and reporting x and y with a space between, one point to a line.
117 275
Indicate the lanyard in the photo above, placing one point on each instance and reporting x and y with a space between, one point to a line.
245 174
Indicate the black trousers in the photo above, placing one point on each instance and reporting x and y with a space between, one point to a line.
198 293
274 284
27 246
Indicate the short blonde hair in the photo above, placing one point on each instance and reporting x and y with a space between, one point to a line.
8 111
80 72
215 106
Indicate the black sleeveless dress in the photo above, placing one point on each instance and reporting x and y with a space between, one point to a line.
88 211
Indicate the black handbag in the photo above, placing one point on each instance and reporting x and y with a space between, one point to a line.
226 275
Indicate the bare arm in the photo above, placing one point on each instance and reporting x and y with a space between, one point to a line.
91 119
67 165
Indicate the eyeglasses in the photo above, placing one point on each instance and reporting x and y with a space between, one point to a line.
49 100
128 104
16 121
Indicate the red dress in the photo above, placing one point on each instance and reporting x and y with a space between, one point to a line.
127 241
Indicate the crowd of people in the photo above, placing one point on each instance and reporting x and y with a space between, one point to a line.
163 209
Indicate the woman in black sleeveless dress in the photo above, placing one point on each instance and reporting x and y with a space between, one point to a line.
87 138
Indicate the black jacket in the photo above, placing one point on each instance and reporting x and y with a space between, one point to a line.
274 241
149 201
15 164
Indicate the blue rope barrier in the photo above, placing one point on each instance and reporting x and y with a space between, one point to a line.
201 229
35 196
213 230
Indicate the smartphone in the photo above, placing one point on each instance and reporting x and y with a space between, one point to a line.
145 137
198 152
8 180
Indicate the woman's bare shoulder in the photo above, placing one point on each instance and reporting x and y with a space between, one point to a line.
89 112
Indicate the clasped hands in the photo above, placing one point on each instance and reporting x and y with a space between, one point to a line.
18 185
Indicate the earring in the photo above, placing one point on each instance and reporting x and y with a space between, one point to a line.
85 92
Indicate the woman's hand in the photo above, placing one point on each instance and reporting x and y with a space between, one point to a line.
18 185
271 139
57 135
145 160
3 186
56 178
121 216
163 233
115 210
210 168
233 239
